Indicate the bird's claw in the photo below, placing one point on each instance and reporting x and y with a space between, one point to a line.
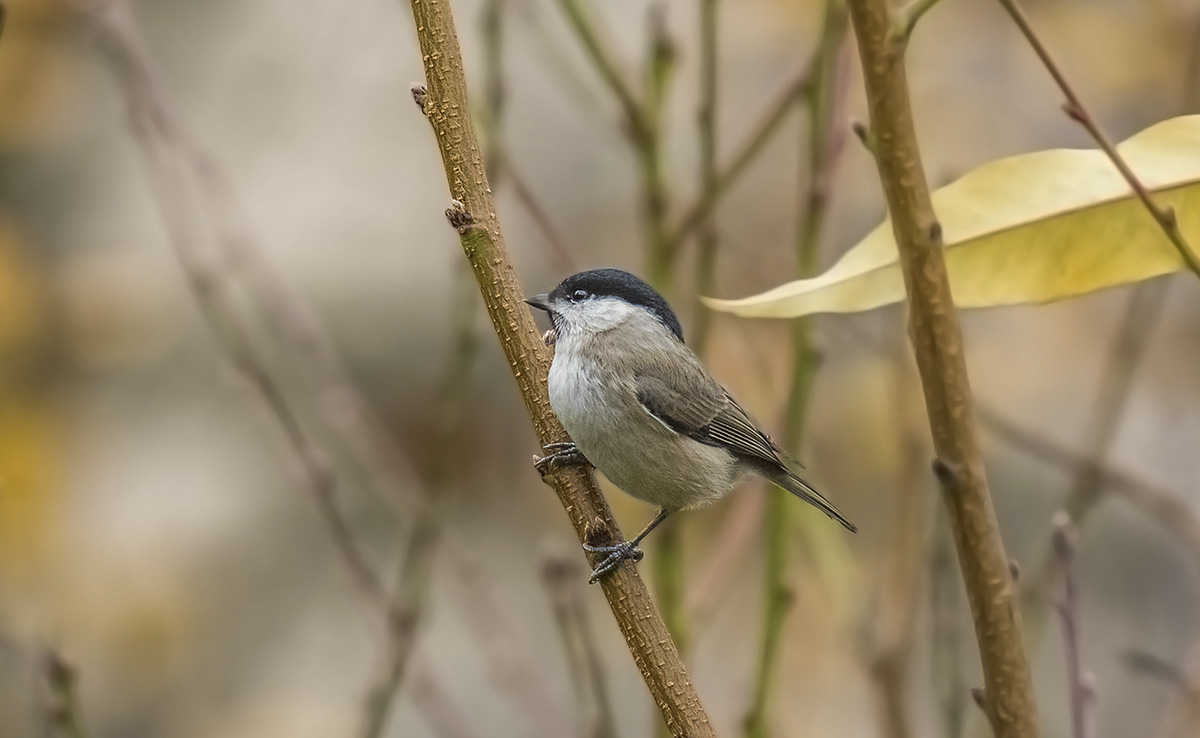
616 554
562 453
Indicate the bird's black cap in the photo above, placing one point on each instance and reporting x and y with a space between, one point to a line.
622 285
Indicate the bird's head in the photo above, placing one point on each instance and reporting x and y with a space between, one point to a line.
601 299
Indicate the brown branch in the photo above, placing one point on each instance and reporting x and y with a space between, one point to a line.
739 529
1080 693
563 579
937 343
706 123
180 166
822 97
446 107
946 638
1074 108
64 717
602 58
1145 306
893 624
1165 507
167 169
746 153
430 699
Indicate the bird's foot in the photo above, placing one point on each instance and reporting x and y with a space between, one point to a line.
559 454
616 554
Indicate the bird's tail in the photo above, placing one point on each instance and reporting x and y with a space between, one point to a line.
792 483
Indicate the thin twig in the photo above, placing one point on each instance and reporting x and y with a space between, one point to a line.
168 170
822 96
706 123
648 144
1166 508
945 634
913 14
563 260
436 706
1074 108
497 159
1067 606
497 639
605 63
1191 75
407 604
894 618
941 358
181 165
695 214
739 529
1142 312
645 634
564 581
64 717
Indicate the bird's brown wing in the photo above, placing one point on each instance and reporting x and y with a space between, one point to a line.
704 413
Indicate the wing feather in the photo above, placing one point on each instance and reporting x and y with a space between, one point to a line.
708 415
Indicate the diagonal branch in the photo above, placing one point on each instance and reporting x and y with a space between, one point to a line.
695 214
168 170
1074 108
445 104
937 342
193 189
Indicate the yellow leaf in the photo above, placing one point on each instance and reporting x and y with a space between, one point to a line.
1030 228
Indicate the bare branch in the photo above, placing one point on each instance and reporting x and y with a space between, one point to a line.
937 342
563 579
746 153
446 106
167 167
64 718
1074 108
1068 614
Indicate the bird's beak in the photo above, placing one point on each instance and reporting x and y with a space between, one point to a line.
541 302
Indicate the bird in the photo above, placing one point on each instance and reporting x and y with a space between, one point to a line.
642 409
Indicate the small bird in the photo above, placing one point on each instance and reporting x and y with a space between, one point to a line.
640 406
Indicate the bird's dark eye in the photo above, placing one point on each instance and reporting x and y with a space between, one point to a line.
579 295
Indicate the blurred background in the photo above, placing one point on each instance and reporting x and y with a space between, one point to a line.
166 562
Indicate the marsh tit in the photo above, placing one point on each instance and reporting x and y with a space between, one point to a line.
643 410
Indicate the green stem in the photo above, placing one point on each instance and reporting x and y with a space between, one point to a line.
706 119
648 142
805 360
647 638
668 581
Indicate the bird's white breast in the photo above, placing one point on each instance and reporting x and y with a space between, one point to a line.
595 397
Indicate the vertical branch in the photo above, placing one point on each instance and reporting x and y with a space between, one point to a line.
937 343
191 185
1145 306
649 144
446 107
949 683
167 168
822 94
706 122
64 718
1074 108
563 582
749 149
1191 75
1068 616
893 623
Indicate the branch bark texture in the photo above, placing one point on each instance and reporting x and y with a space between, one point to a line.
445 104
937 343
